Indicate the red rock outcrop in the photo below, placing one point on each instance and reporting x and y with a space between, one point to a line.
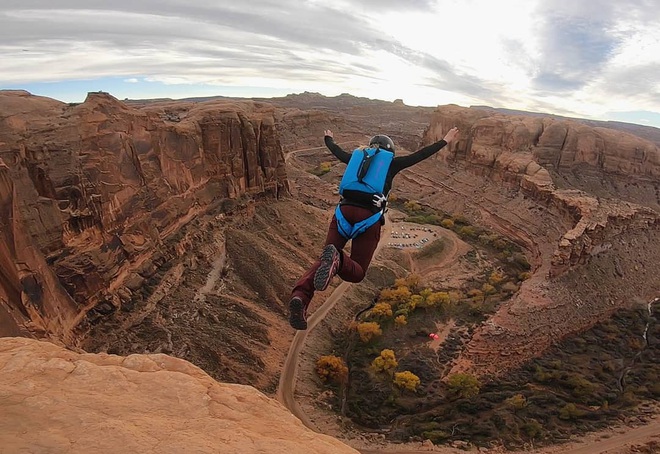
88 190
57 401
589 265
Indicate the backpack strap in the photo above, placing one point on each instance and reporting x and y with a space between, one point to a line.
350 231
366 162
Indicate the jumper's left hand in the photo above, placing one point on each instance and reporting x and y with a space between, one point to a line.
451 135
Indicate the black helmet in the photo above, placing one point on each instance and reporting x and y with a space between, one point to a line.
382 141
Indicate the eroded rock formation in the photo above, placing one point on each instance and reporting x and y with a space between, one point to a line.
592 251
55 400
95 190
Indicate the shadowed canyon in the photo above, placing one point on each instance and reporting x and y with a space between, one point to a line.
149 247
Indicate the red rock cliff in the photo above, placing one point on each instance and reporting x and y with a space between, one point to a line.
87 190
598 189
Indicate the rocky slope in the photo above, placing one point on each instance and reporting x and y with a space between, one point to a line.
54 400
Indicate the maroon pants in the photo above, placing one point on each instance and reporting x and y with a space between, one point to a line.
353 268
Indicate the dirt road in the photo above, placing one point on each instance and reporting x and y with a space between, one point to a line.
287 385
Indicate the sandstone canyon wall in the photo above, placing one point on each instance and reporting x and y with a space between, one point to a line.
88 192
583 201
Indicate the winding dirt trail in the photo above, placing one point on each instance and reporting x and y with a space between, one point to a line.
287 385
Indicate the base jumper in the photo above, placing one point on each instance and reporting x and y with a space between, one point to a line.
358 217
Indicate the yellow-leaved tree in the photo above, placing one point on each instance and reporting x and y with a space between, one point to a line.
386 362
438 299
332 368
382 310
369 331
411 281
407 380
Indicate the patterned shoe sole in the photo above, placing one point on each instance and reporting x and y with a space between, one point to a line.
328 267
297 314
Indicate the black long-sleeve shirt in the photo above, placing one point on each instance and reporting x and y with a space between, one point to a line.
398 163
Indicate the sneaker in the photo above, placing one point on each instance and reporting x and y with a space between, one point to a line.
328 268
297 314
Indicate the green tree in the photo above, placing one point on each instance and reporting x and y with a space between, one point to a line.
463 385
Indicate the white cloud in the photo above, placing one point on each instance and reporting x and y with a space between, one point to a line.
562 56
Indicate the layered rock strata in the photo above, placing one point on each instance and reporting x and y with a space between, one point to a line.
91 191
591 253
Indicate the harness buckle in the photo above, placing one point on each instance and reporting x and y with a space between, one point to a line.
379 200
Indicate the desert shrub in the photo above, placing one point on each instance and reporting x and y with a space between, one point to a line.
382 310
487 288
496 278
436 436
400 320
438 299
332 368
570 412
455 296
581 387
447 223
368 331
436 247
322 169
412 207
475 295
460 219
533 429
411 282
520 260
517 402
509 287
467 231
395 296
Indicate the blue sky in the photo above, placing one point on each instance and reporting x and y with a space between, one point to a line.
583 58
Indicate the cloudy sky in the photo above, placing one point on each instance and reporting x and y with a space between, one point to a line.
587 58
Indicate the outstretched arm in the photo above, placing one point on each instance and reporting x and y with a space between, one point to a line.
334 148
406 161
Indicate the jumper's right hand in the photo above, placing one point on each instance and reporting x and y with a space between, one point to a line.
451 135
327 132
